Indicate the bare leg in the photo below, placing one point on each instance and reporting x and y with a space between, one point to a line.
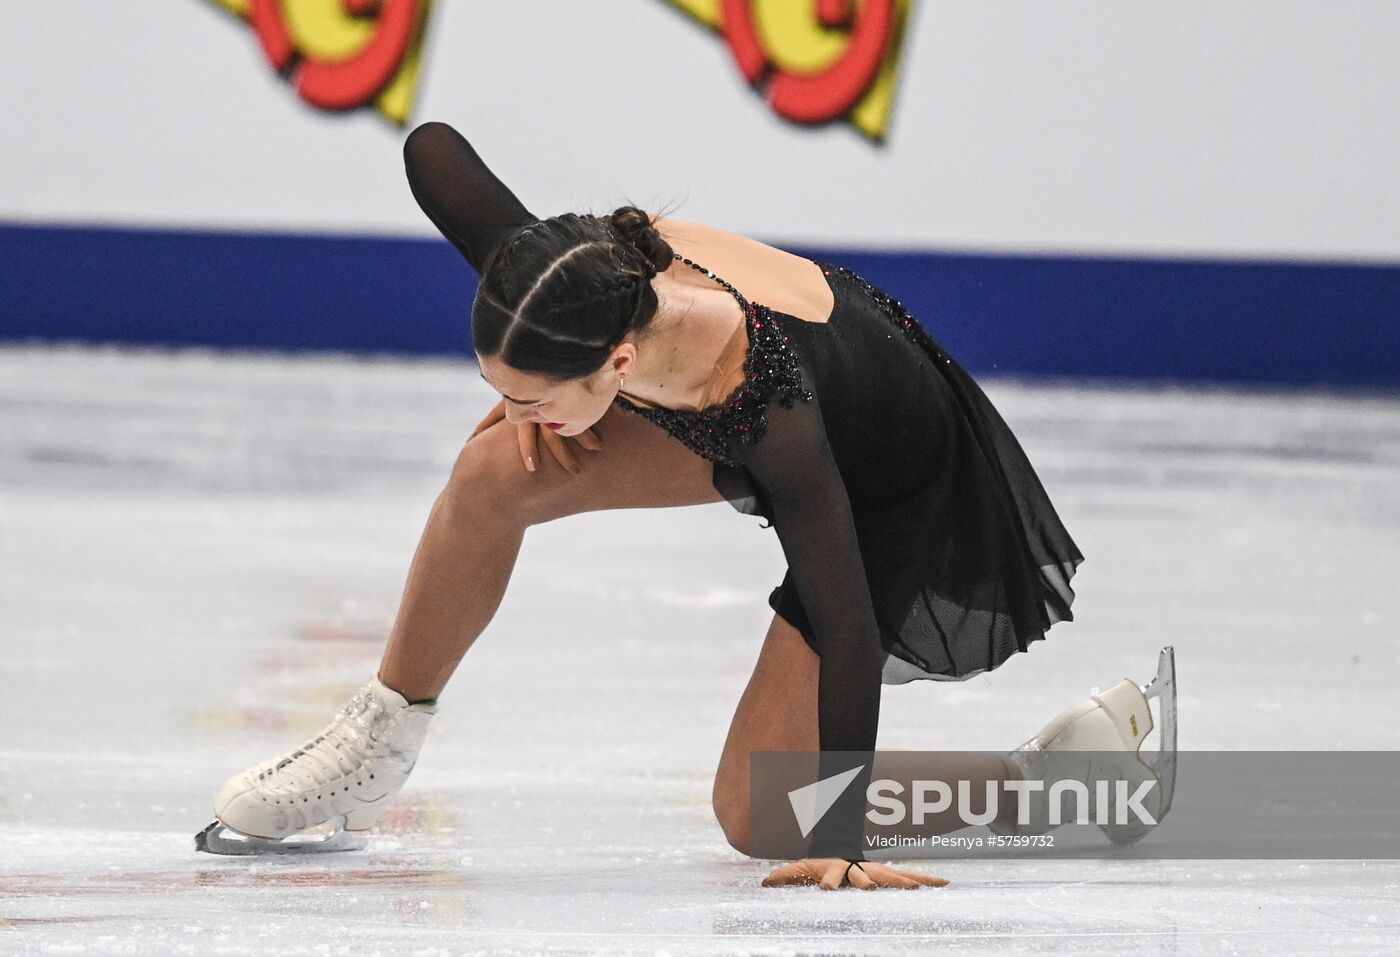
474 532
455 584
778 712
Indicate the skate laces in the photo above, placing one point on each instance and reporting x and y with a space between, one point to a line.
354 736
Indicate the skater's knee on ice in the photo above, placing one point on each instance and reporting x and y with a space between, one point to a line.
733 818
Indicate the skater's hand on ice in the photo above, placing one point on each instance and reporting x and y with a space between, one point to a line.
832 872
529 433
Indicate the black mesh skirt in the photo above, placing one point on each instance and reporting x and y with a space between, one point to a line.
972 567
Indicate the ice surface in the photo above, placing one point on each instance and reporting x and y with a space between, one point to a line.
200 556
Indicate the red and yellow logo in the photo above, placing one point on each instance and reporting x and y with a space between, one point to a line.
343 54
815 60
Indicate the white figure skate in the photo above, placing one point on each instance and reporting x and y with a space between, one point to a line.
1111 727
312 799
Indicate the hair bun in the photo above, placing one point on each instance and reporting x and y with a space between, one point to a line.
635 227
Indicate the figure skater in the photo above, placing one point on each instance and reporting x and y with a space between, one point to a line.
690 365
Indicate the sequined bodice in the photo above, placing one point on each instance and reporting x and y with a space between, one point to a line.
770 368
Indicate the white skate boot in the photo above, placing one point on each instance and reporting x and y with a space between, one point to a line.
340 781
1096 744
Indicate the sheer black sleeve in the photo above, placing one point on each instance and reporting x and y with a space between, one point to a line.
811 514
460 194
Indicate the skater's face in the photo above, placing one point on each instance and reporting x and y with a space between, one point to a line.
572 404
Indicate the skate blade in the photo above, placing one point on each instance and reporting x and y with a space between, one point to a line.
219 838
1163 763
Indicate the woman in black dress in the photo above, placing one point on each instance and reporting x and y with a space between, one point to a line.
919 541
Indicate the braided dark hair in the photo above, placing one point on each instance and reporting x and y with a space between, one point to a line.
560 294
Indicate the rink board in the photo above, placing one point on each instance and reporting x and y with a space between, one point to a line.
1281 323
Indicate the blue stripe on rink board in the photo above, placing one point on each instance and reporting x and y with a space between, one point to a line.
233 289
1243 322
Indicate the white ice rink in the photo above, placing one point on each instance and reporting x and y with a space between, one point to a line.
200 558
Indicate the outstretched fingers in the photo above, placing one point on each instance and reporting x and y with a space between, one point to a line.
880 875
796 872
886 876
831 873
834 874
857 877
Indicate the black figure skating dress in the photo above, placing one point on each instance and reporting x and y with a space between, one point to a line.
919 541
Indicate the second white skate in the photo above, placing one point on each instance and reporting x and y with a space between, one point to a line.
1099 740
